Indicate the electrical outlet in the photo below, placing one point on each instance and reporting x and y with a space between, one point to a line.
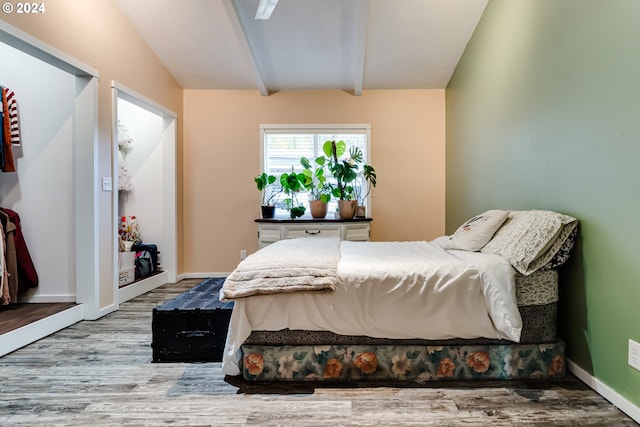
243 253
634 354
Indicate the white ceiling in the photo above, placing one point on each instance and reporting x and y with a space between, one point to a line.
350 45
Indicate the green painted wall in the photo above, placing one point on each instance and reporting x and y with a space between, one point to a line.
543 111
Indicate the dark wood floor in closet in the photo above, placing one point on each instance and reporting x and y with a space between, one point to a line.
15 316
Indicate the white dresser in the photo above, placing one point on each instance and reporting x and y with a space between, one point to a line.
272 230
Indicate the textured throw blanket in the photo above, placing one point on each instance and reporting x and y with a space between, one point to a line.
291 265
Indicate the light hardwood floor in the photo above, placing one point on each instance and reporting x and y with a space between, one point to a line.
98 373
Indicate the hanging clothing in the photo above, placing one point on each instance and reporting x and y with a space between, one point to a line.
14 123
11 259
4 277
8 164
27 274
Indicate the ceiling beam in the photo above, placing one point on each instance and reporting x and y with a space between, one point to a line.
232 14
361 31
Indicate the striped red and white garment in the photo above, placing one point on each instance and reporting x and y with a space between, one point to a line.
14 123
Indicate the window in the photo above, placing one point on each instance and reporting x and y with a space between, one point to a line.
283 145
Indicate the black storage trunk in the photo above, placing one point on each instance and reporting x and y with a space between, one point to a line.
192 327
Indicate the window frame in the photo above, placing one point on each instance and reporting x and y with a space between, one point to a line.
343 128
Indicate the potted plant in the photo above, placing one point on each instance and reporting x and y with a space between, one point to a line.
266 185
366 182
346 172
316 183
292 183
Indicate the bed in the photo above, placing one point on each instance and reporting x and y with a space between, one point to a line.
478 304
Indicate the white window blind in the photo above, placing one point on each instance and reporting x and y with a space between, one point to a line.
283 145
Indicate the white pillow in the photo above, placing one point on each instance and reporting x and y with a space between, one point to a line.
476 232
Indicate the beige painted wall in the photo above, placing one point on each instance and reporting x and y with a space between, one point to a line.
97 33
221 156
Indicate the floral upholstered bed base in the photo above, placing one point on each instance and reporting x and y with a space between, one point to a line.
402 362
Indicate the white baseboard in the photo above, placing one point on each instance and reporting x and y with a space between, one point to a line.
605 391
95 315
142 286
32 332
48 298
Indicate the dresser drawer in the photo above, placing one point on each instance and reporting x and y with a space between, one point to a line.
268 234
311 231
357 233
272 230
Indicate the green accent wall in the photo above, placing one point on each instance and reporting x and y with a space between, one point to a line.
543 112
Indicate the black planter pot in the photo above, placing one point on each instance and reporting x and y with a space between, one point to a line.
268 211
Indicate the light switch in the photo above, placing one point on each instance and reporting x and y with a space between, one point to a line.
107 183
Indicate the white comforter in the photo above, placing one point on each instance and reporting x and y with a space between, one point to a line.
392 290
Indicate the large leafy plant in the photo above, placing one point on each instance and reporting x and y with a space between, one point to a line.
347 171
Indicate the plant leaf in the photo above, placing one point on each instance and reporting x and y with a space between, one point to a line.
327 149
356 154
370 174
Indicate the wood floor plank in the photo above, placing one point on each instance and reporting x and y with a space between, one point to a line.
100 373
15 316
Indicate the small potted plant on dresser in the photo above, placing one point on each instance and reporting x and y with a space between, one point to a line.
346 172
316 184
266 184
292 184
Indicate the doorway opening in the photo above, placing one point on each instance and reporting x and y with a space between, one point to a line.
144 192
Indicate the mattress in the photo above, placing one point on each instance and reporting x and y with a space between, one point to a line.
536 297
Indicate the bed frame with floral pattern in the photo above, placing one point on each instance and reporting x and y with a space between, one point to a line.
419 364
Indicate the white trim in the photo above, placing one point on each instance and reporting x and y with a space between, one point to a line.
32 332
317 127
141 101
605 391
115 272
141 287
87 268
170 196
101 312
27 43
